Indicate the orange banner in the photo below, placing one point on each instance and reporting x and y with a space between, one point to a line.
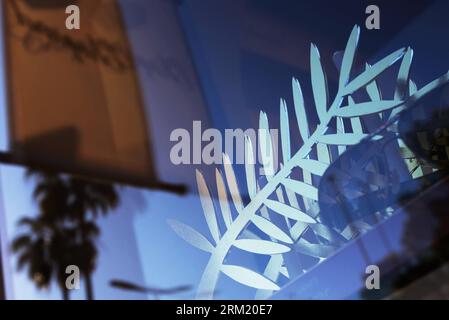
74 100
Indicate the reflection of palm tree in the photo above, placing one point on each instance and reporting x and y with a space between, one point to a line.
89 198
64 233
44 250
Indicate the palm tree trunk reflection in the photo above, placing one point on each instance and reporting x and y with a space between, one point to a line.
64 232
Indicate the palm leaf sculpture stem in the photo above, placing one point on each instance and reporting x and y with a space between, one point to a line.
280 242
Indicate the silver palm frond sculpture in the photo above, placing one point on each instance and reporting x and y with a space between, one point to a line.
291 198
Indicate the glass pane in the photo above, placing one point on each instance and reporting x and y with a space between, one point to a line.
310 139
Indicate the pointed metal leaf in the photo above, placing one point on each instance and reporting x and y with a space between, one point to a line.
285 132
289 212
402 85
369 75
319 83
223 199
373 89
348 57
292 199
323 153
300 110
261 246
266 147
401 90
272 271
301 188
190 235
298 230
313 166
356 123
270 229
412 88
208 206
429 87
365 108
345 139
284 272
306 175
340 130
248 277
250 169
247 234
232 183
